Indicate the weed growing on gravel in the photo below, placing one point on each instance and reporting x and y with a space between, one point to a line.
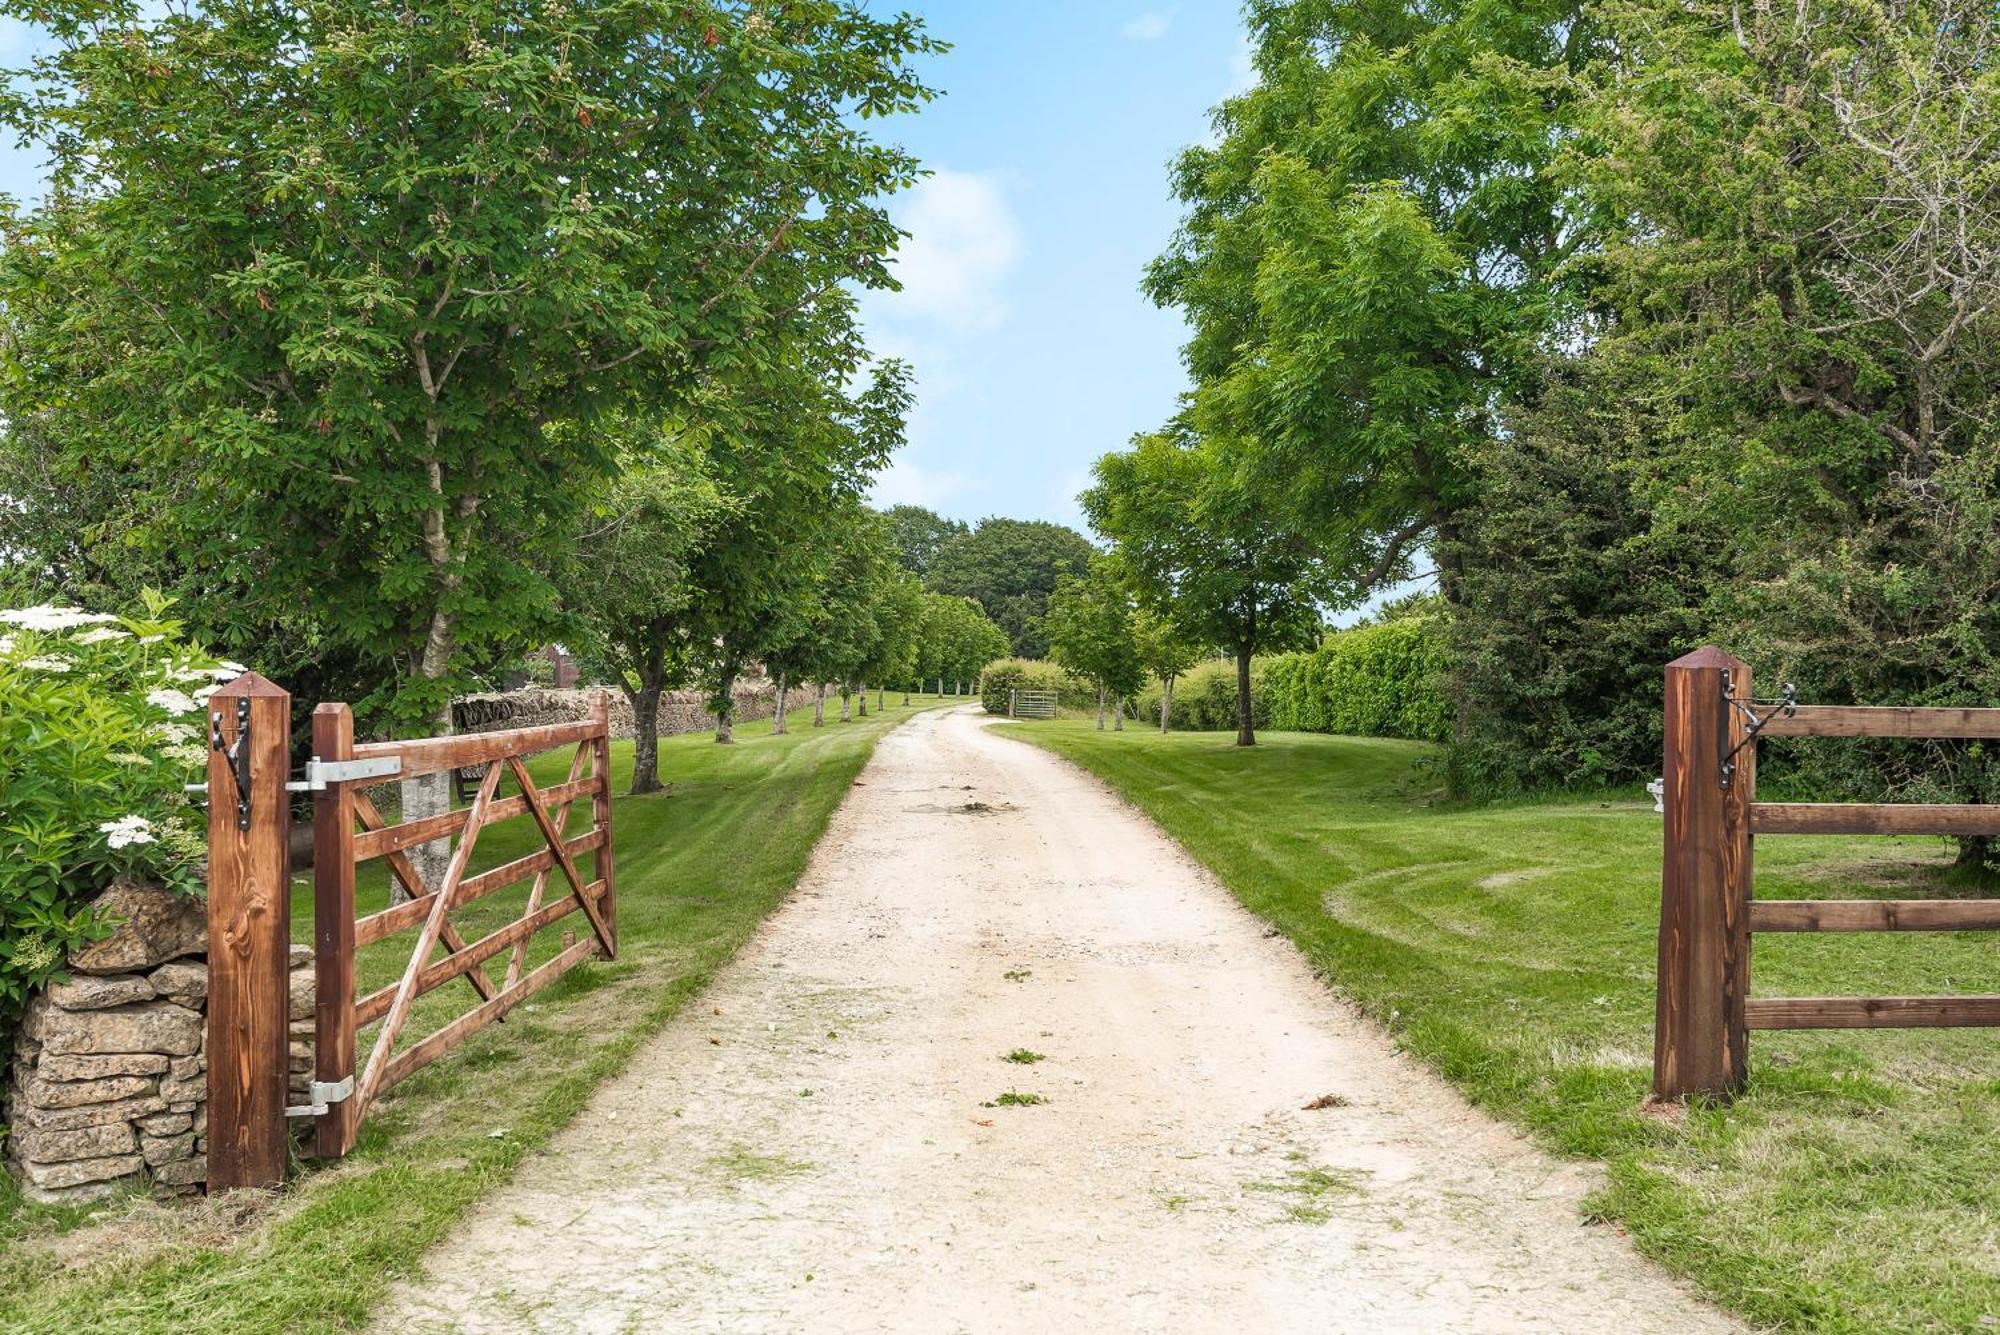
1313 1190
1018 975
1023 1057
1014 1099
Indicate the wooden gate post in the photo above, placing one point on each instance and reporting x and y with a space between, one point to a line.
249 931
1700 1042
333 930
600 809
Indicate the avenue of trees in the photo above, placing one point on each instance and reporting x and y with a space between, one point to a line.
1620 326
564 347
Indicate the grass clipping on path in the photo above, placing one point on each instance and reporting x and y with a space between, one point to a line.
1856 1185
697 871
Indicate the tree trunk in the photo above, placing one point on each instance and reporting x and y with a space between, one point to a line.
778 709
1118 714
1246 732
819 707
861 702
430 794
1166 702
881 699
906 699
645 737
846 703
725 705
1100 709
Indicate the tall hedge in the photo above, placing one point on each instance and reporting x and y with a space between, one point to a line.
1385 680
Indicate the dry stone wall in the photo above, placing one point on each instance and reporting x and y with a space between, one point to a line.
108 1086
680 711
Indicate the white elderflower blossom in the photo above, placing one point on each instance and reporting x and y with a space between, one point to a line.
226 670
201 696
130 758
174 702
127 830
47 663
100 635
174 734
47 618
194 674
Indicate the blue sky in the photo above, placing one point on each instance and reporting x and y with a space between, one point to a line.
1034 350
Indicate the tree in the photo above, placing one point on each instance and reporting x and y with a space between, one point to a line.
629 584
899 610
1799 269
955 641
797 467
1370 255
1166 651
1191 536
920 534
1010 567
337 273
1090 633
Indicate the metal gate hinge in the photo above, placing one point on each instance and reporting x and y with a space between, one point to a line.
323 1093
320 773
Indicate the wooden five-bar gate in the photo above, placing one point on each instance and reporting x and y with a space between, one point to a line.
250 922
1708 911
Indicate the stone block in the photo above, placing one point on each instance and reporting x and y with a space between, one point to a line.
55 1067
166 1124
183 1172
151 1026
85 1142
182 1068
301 957
183 978
153 925
90 1114
301 991
75 1093
189 1091
76 1172
158 1150
87 993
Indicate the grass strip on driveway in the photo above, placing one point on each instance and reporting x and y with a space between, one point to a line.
698 868
1854 1188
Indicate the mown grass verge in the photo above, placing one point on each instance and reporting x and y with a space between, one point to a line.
698 868
1854 1188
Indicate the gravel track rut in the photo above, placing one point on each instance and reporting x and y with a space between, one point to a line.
810 1147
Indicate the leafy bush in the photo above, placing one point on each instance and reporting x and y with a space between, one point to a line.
1032 674
101 724
1385 680
1205 698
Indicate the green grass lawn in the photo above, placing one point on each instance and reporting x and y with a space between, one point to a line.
1856 1187
698 868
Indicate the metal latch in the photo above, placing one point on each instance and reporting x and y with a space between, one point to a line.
320 773
323 1094
237 753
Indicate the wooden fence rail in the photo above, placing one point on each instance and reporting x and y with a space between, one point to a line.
1708 912
249 909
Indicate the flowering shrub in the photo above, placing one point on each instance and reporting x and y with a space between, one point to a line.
101 724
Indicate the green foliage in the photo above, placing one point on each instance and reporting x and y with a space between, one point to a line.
1368 257
101 724
1032 674
920 534
1010 567
1384 680
1089 626
1582 577
955 640
1205 698
334 370
1203 549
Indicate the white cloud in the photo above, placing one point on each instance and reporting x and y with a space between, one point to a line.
964 244
908 483
1148 27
